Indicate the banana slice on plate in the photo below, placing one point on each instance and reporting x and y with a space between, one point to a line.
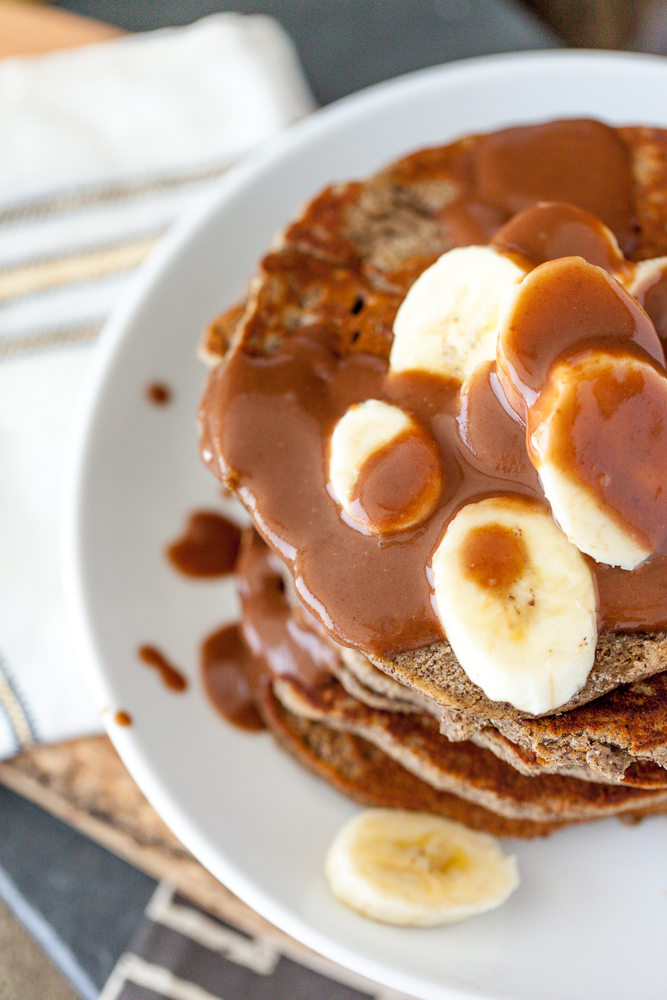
415 869
517 602
448 322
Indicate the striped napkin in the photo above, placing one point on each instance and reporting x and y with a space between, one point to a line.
181 953
102 148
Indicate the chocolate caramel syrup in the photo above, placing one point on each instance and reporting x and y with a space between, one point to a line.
171 677
652 295
208 547
567 304
159 393
397 482
229 671
282 642
550 230
272 642
267 418
494 557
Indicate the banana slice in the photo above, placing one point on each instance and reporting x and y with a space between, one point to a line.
598 439
647 282
448 322
384 470
517 602
553 229
562 304
415 869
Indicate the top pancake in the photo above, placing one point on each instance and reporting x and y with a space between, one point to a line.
373 239
342 269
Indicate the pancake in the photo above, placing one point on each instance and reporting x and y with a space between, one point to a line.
378 703
463 769
337 276
618 738
617 735
363 773
284 641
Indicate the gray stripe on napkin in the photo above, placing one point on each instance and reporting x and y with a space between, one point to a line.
57 293
88 196
182 953
43 340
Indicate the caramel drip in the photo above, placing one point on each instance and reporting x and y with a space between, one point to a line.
466 222
550 230
610 427
398 482
580 162
564 304
230 673
208 547
171 677
274 641
496 439
653 297
282 643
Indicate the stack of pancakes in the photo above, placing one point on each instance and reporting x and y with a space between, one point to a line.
407 727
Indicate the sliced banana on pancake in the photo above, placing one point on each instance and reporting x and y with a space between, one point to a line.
517 602
384 470
598 439
581 364
647 282
448 322
415 869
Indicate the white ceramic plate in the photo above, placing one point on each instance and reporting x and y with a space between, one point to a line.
589 921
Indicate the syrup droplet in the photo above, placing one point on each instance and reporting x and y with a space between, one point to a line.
172 677
208 547
159 393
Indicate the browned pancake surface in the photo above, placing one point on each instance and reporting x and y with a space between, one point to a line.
463 769
361 771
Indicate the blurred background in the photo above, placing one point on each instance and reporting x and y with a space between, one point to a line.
348 44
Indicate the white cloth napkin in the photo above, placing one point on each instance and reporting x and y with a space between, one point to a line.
102 147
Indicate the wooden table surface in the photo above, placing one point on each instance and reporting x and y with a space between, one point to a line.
30 29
